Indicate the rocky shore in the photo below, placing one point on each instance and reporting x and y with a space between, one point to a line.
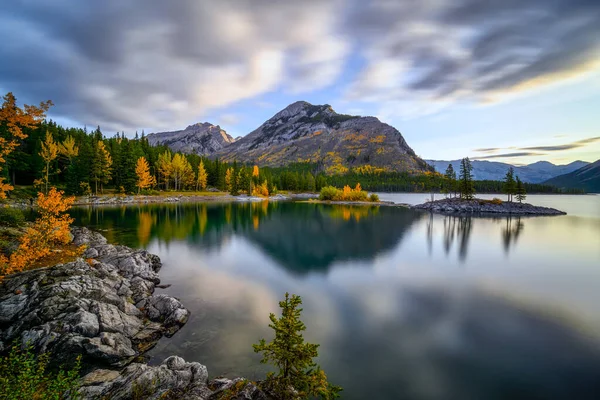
460 206
103 307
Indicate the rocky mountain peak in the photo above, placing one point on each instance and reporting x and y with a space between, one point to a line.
200 138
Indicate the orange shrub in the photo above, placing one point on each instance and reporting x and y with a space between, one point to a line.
50 228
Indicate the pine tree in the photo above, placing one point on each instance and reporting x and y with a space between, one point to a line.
510 186
299 376
520 191
145 179
465 184
449 185
202 177
49 152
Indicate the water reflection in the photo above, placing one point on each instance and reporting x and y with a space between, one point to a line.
302 237
395 317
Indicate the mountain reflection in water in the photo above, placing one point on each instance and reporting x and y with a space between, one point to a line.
405 304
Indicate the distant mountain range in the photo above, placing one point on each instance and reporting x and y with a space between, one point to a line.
586 178
303 132
533 173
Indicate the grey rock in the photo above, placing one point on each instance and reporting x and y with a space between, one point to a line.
200 138
479 206
88 307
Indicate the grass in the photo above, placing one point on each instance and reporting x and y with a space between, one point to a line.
24 376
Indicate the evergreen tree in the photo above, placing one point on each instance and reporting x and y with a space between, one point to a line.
449 184
510 186
520 191
466 188
299 376
127 166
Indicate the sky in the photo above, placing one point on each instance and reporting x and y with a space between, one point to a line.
503 80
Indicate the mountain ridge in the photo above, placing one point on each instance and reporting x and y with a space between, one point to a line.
586 178
201 138
537 172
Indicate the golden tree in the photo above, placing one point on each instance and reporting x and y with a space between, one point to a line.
50 228
15 119
255 171
229 179
48 153
142 170
178 169
202 177
165 167
68 148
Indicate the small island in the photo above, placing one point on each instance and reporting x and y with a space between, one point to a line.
462 199
496 206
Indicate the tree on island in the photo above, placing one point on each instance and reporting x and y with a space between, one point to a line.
510 186
521 192
465 183
449 184
299 376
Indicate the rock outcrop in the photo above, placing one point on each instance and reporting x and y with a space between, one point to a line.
303 132
460 206
201 138
103 307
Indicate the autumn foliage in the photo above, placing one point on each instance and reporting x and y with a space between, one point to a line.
330 193
142 170
51 228
15 119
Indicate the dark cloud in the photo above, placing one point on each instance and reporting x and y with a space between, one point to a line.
509 155
549 148
489 150
476 49
151 63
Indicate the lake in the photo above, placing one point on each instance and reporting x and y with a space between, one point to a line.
405 304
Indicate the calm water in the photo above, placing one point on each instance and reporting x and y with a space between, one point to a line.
405 305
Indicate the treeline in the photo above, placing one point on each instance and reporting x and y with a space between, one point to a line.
79 161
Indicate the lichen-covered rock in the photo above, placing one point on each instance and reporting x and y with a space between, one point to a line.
173 379
103 308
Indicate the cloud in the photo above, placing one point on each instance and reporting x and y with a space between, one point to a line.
155 64
229 119
147 63
548 148
470 50
509 155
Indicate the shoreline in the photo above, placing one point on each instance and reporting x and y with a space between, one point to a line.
103 306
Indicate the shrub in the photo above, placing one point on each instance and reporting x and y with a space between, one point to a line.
299 377
23 376
329 193
496 200
11 216
374 197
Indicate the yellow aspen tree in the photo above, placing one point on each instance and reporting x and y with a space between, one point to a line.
202 177
165 167
142 170
255 171
228 179
177 169
188 178
68 148
15 119
48 153
105 165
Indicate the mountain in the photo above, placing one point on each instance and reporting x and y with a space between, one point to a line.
303 132
533 173
200 138
586 178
